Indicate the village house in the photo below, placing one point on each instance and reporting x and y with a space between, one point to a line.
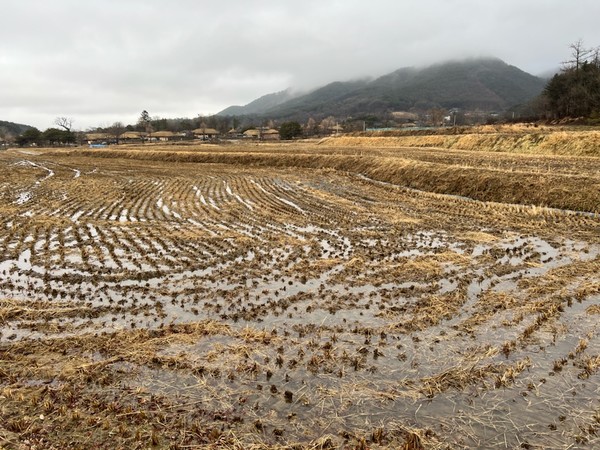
99 138
132 137
205 133
164 136
337 129
128 137
264 134
234 134
252 133
270 134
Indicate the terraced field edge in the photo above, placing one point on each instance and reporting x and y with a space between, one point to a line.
567 192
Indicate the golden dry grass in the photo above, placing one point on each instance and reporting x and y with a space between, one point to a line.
512 139
296 297
554 183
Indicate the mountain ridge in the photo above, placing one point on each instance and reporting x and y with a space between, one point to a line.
262 103
473 84
13 128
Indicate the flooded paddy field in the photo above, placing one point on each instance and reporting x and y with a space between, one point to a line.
155 303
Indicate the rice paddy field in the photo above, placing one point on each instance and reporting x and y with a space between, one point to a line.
301 296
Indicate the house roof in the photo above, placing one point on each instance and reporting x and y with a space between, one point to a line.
252 132
404 115
132 135
271 131
97 136
205 131
160 134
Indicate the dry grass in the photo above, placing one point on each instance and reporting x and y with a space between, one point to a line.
593 310
496 184
283 296
542 140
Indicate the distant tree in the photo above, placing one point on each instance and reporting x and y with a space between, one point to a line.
5 135
437 116
290 130
200 121
575 91
116 130
211 122
327 124
145 123
159 124
28 137
355 125
144 117
54 136
579 55
311 127
185 125
369 120
80 137
222 124
66 123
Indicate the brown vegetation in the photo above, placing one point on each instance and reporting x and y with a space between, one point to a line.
297 297
523 139
553 182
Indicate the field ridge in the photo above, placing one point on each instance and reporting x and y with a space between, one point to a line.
546 189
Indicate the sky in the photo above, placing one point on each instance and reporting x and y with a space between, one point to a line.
102 61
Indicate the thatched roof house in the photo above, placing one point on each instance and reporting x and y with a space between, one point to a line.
164 135
270 135
405 116
98 137
133 135
205 133
252 133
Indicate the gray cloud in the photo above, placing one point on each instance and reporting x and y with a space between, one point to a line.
100 61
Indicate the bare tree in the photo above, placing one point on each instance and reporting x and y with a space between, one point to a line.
311 126
596 56
116 130
437 116
327 124
579 55
64 122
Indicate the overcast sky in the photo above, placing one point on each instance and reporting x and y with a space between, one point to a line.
101 61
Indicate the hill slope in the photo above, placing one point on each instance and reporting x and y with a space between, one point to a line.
13 128
487 84
260 105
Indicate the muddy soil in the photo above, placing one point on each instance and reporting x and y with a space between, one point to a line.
172 305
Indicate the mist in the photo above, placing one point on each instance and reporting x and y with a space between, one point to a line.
105 61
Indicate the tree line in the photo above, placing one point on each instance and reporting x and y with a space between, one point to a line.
52 136
575 91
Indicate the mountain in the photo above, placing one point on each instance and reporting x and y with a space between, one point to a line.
260 105
13 128
322 101
487 84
